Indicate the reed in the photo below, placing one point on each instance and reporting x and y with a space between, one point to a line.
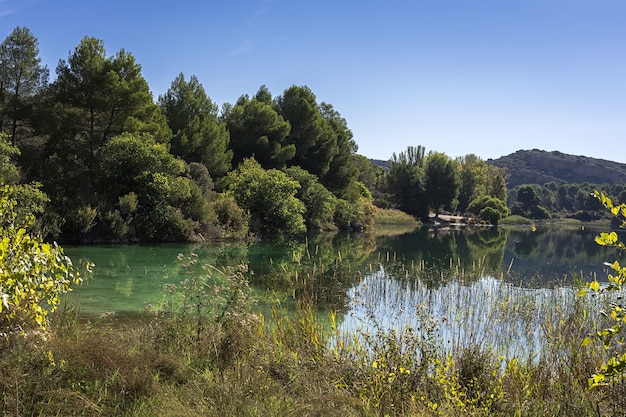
387 217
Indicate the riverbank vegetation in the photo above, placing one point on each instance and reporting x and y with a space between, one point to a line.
113 164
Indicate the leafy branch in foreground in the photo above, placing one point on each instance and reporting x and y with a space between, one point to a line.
33 273
611 336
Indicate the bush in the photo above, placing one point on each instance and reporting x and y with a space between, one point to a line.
583 216
114 225
319 202
128 203
83 219
344 214
232 220
612 336
33 275
497 209
270 196
539 213
491 215
366 214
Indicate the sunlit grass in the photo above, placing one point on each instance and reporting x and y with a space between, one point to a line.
516 220
387 217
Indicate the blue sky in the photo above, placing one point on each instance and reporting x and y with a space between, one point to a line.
487 77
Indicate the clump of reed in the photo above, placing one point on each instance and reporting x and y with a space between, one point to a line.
490 347
516 219
392 222
388 216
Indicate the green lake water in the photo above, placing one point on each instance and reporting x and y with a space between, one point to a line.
396 268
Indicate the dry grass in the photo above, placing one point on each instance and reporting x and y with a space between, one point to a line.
297 364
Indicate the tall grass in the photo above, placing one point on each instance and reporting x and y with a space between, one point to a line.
485 348
508 319
482 344
386 217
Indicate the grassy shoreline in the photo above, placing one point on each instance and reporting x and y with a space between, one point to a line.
203 351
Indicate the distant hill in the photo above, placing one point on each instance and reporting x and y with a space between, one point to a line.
539 167
380 163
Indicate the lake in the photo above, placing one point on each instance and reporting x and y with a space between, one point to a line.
330 268
496 287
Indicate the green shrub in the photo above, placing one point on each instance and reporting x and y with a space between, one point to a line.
497 209
491 215
270 197
344 214
318 200
233 221
128 203
83 219
33 274
614 334
538 212
114 225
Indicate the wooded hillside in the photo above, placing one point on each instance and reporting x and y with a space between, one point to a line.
540 167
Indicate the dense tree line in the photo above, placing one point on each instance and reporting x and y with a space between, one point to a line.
578 201
108 161
420 183
113 163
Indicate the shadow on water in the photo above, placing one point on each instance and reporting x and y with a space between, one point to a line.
438 256
555 255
